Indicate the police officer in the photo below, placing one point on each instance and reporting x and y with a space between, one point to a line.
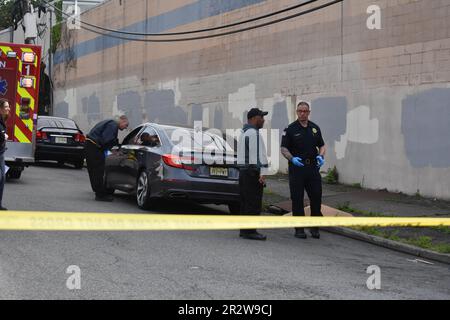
252 159
100 139
302 144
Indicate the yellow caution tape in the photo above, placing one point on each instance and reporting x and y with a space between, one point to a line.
64 221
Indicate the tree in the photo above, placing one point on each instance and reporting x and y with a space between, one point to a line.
6 19
12 11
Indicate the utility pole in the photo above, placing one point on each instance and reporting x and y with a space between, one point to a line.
50 53
50 60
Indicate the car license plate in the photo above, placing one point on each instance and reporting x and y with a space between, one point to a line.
219 172
60 140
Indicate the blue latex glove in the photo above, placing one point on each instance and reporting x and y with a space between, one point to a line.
320 161
297 161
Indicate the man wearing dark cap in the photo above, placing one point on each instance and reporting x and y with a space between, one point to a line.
252 160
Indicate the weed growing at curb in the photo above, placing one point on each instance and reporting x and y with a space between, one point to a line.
332 176
424 242
347 208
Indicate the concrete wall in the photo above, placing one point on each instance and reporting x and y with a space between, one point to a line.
381 97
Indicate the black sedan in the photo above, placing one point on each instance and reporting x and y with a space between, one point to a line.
59 139
158 161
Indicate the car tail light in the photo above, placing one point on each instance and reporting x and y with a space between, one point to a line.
178 162
41 135
80 138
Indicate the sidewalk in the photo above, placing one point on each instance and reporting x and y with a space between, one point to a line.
371 203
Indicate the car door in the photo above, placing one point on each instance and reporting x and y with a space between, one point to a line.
118 162
149 153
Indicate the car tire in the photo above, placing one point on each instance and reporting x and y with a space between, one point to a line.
234 208
143 191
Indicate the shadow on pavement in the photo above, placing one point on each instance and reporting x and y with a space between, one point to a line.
171 206
54 165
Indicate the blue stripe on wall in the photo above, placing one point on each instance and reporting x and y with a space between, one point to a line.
190 13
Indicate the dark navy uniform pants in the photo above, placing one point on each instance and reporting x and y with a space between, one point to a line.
95 160
306 178
251 192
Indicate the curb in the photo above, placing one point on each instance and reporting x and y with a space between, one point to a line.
390 244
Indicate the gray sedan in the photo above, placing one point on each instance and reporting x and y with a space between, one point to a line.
159 161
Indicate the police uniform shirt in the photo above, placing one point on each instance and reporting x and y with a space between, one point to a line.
303 142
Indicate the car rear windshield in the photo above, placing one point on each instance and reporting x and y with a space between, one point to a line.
186 138
57 123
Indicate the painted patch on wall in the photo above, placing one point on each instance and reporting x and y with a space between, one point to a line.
159 106
279 117
91 108
330 114
129 103
218 119
241 101
61 110
196 113
426 128
360 129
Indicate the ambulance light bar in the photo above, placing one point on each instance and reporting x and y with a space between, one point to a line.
28 57
26 82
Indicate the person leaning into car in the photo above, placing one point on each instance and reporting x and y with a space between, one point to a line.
102 137
253 162
4 114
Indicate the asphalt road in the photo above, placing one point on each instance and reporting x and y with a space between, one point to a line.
189 265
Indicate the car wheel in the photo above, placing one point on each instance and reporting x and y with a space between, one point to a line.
143 191
234 208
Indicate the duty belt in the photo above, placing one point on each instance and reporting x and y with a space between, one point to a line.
309 161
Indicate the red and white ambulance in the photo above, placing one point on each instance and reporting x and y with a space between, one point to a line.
19 84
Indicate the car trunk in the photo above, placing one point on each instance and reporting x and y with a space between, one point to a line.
60 136
211 165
